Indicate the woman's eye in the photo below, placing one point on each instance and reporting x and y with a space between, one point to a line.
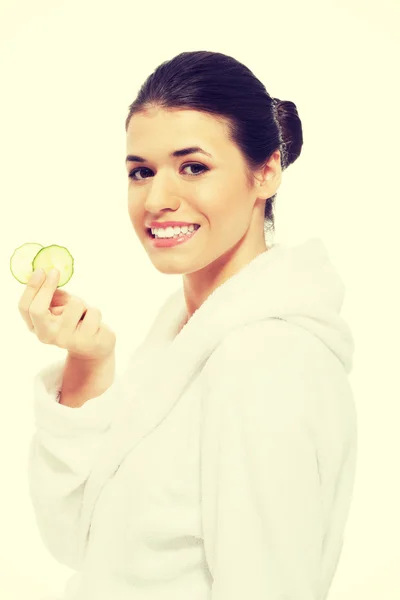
132 174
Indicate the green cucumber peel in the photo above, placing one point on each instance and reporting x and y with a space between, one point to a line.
31 256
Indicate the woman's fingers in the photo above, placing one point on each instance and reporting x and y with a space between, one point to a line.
66 323
59 318
31 289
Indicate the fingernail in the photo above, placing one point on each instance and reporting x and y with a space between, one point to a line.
53 274
37 275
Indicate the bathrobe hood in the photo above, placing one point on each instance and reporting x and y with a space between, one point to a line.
297 283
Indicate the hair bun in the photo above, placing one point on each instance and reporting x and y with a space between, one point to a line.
291 130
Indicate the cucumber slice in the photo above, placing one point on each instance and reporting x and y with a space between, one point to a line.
58 257
31 256
22 259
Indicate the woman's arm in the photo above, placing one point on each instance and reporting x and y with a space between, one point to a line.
262 510
62 452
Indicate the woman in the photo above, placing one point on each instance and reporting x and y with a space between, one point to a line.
221 465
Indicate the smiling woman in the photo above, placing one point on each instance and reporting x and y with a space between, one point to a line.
239 144
221 465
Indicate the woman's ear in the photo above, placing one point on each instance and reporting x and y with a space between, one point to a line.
270 176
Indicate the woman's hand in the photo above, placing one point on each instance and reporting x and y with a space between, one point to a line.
63 320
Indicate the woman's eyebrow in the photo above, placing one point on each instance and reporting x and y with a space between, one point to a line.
182 152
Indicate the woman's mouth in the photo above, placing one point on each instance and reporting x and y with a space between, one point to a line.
169 242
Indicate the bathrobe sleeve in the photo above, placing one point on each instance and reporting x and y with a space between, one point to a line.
61 455
261 496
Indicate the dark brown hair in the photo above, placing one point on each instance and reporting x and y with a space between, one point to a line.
218 84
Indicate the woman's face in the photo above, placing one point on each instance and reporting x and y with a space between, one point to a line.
211 191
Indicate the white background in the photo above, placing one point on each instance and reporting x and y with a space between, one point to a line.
68 72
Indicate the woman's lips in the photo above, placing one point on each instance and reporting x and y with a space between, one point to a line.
171 242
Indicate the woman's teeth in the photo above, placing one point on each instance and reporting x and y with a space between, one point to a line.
170 232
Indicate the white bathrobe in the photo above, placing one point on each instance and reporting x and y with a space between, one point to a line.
221 464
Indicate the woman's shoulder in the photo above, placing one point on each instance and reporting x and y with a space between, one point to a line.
275 354
277 368
273 339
